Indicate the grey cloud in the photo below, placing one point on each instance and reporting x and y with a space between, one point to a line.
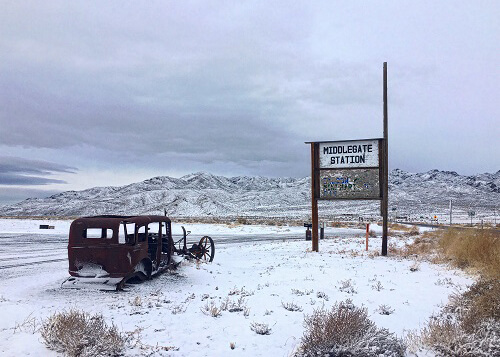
228 112
238 84
20 172
9 195
21 180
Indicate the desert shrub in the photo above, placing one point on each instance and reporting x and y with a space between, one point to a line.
346 330
475 248
77 333
480 302
446 337
260 329
385 310
347 286
469 325
322 295
291 306
240 305
211 309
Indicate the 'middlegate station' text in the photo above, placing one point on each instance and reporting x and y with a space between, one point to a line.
344 153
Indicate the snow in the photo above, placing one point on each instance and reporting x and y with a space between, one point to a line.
15 225
267 274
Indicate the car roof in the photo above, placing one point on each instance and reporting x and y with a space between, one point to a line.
116 219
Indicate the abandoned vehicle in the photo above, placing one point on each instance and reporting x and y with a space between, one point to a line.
111 250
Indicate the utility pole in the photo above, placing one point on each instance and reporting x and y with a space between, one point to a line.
385 195
314 199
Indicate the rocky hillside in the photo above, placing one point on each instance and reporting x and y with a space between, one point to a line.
204 194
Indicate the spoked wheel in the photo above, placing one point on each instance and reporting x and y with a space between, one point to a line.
206 250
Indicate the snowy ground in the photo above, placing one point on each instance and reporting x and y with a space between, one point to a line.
266 274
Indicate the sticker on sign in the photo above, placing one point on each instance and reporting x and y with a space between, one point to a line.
347 154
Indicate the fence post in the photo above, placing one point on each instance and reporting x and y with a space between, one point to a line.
367 233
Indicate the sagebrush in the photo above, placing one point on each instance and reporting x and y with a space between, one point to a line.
469 325
78 333
346 330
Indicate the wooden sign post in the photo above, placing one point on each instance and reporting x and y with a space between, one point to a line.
350 170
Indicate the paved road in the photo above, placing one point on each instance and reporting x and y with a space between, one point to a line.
28 250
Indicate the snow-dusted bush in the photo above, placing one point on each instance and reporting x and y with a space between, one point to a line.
345 330
301 292
322 295
385 310
77 333
291 306
347 286
260 329
469 325
211 309
239 305
448 338
378 286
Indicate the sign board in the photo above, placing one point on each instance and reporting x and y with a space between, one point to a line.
349 154
349 184
348 170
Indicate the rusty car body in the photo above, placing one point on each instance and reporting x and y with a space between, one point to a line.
112 250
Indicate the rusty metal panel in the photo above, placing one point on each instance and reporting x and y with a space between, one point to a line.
349 184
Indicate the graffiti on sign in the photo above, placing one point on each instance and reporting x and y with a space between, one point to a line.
349 184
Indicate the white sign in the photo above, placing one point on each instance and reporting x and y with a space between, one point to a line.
347 154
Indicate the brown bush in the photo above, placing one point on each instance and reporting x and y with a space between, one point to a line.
448 338
469 325
77 333
481 302
345 330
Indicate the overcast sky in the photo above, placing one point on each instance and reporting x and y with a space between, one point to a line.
110 93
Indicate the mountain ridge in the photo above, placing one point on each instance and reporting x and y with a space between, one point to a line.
205 194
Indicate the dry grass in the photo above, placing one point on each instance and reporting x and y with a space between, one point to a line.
470 324
400 227
77 333
345 330
473 248
423 246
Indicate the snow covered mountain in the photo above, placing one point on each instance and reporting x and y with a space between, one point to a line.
204 194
